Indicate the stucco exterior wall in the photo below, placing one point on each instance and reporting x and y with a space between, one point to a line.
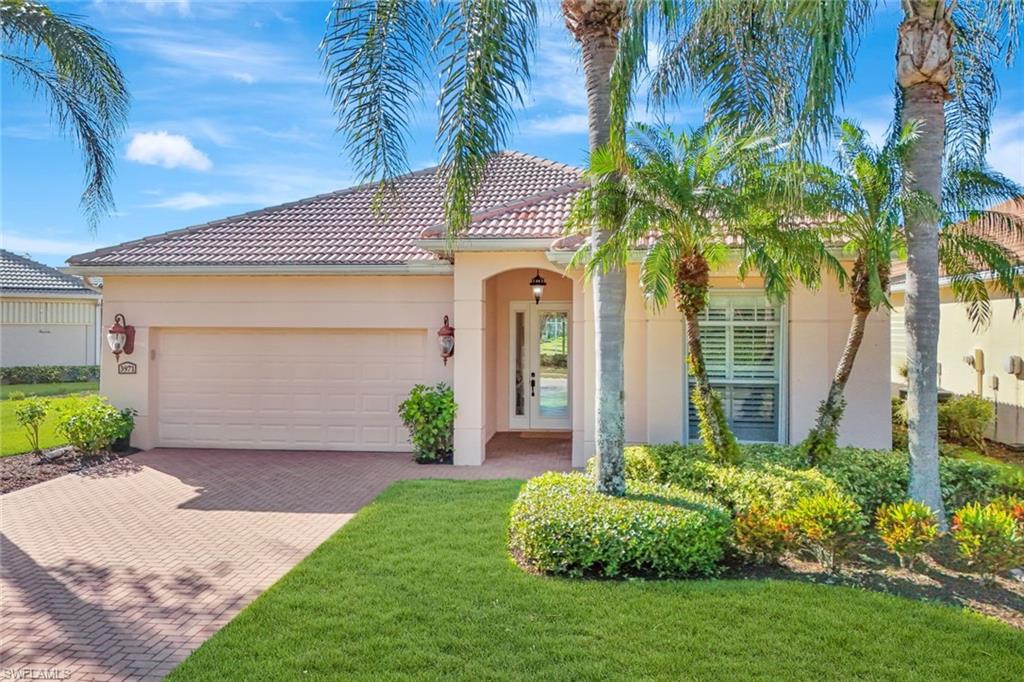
476 298
48 331
1002 338
287 302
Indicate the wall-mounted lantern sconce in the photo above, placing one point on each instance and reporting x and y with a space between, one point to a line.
446 340
537 284
121 337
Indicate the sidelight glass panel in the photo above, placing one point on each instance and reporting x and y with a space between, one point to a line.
553 379
520 360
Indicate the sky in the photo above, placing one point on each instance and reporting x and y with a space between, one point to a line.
229 114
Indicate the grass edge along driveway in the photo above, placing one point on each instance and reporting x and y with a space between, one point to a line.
419 585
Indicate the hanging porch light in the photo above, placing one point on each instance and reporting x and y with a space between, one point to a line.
537 284
121 337
446 340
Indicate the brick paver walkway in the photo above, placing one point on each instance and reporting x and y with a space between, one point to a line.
121 572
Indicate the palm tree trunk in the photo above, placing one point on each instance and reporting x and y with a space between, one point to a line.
718 440
596 25
924 66
822 438
692 283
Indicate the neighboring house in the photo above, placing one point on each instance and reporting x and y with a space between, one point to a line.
303 326
46 317
989 349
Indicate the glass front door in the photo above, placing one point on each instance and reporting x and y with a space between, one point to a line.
540 366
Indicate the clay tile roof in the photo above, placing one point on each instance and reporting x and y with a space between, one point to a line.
20 274
541 216
1013 242
342 228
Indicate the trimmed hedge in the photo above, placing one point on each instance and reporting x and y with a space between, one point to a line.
777 474
561 525
49 374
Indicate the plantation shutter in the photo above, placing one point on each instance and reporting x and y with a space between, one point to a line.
740 335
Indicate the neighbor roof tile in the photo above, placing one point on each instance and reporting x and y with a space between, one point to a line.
18 273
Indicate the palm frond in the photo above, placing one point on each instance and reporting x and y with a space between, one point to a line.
71 66
376 58
485 49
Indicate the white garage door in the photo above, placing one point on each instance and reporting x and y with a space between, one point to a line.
289 389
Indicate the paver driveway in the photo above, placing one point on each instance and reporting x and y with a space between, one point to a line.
121 573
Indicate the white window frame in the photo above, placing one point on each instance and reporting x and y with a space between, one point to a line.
782 436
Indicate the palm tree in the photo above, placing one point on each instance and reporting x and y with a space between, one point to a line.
69 65
941 43
380 55
683 200
864 200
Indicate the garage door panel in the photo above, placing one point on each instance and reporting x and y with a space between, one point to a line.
290 389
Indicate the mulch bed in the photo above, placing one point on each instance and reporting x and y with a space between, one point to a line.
941 576
21 471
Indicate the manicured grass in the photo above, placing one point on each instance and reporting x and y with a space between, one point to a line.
419 586
50 389
12 438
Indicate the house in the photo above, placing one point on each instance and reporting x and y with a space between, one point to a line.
46 317
979 362
302 326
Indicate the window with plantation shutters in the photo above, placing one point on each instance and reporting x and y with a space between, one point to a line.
741 335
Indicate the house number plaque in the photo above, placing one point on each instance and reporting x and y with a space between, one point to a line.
127 368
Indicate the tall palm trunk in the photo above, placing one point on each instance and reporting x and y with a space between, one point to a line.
693 279
821 441
595 25
924 66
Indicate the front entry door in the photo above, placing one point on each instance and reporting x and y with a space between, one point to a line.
539 365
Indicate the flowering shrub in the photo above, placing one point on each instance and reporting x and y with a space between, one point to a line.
762 535
988 537
91 424
429 414
906 529
561 525
827 524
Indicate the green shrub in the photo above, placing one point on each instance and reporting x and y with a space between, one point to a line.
988 537
762 535
91 424
906 529
30 414
561 525
760 480
777 473
16 395
963 419
49 374
429 414
827 524
641 465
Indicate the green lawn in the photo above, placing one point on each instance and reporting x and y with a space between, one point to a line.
50 389
419 586
12 438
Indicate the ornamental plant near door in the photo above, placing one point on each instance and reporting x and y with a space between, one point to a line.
429 414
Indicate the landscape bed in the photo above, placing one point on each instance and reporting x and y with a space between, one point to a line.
420 584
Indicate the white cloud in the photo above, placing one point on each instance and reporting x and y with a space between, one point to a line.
35 246
160 148
243 77
1006 152
184 7
566 124
187 201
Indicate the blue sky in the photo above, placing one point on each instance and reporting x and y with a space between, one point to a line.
229 114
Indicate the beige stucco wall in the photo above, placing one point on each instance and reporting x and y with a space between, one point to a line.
1002 338
477 298
361 302
48 331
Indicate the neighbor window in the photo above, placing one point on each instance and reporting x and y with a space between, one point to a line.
742 339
